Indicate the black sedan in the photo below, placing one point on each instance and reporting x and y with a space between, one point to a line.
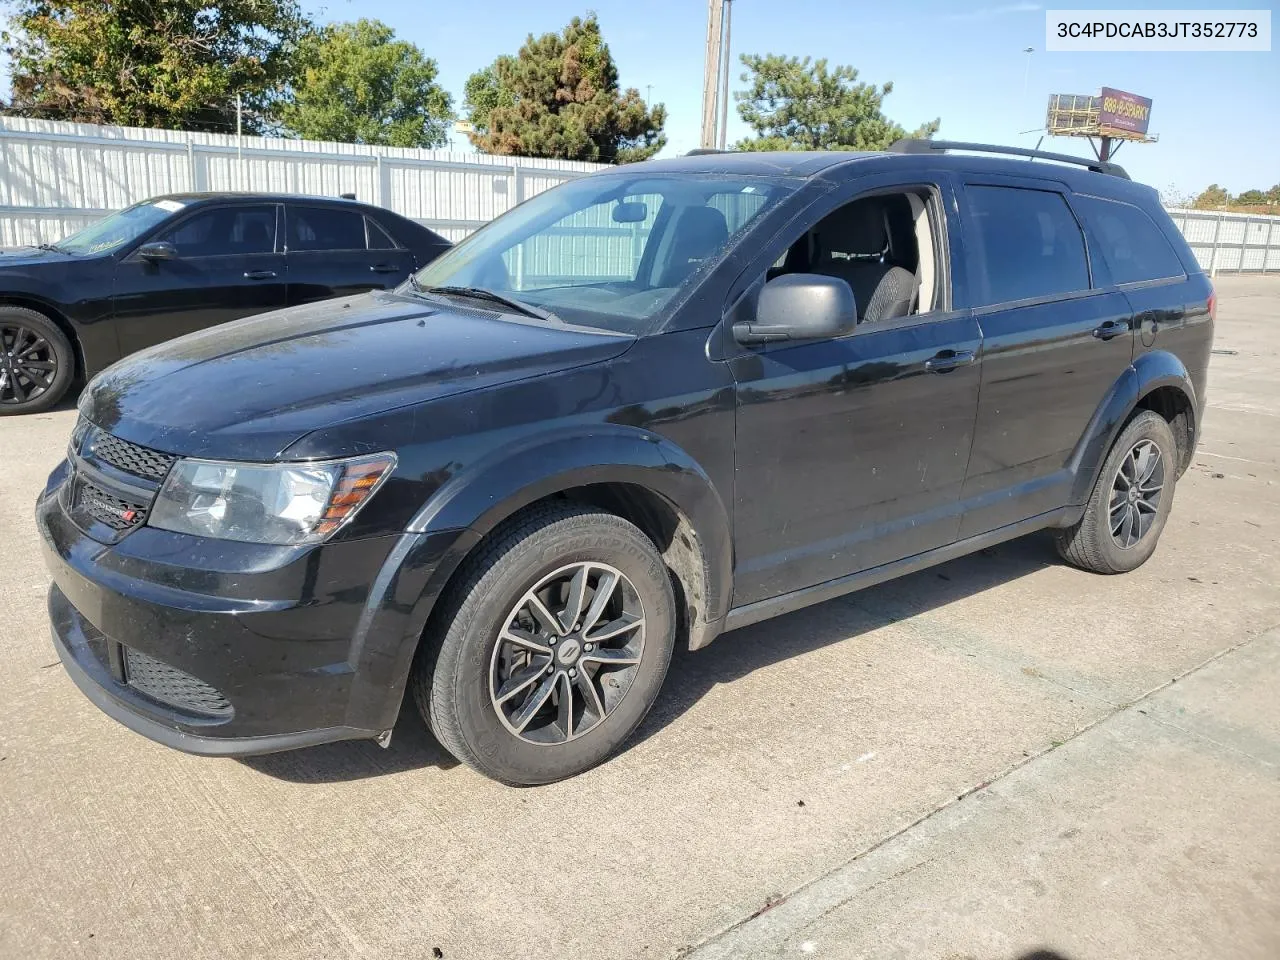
179 263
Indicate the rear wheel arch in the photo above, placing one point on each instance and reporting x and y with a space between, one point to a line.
1175 404
1156 381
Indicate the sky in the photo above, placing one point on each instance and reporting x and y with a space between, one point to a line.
1217 114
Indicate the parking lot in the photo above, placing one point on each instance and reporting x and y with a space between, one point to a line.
995 756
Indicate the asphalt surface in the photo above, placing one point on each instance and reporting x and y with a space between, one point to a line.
993 757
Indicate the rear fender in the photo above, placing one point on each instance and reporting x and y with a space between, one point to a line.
1148 372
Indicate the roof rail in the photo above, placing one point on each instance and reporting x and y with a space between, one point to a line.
703 151
929 146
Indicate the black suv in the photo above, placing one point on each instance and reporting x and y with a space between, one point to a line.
645 407
183 262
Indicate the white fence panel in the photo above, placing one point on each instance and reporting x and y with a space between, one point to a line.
57 177
1231 242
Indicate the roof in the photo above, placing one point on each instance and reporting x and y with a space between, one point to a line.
782 163
202 196
803 164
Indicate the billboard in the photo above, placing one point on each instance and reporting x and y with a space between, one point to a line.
1123 113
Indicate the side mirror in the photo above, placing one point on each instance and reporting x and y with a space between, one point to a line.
157 251
800 306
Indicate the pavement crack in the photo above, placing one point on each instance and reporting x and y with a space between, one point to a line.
778 899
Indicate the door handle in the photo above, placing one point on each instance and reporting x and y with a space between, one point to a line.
1112 328
259 274
947 360
384 268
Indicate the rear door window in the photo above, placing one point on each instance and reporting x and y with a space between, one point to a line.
379 239
224 231
1134 247
1028 242
324 228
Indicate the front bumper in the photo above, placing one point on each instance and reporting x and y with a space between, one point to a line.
75 639
234 649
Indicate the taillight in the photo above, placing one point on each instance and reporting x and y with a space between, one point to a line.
1213 306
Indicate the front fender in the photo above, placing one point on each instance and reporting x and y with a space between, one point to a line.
1147 373
495 487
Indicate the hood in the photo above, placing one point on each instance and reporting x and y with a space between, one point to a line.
31 256
248 389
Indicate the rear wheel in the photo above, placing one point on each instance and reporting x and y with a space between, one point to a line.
1125 515
36 361
553 647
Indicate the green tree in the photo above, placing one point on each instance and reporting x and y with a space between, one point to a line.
1252 197
356 83
1212 198
1273 195
795 104
179 63
559 97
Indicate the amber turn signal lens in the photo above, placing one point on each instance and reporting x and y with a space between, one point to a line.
354 487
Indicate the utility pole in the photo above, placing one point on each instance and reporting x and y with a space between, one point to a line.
239 143
726 55
711 74
1026 74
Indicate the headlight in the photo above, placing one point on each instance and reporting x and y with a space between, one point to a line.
281 503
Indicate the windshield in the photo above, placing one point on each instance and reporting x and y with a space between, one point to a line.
111 233
609 250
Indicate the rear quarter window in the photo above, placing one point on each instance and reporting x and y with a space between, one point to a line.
1029 244
1134 247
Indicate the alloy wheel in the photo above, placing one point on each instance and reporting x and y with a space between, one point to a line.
28 364
567 653
1135 494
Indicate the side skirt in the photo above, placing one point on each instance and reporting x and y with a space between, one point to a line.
798 599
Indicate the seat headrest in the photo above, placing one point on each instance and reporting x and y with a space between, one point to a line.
707 223
700 234
856 229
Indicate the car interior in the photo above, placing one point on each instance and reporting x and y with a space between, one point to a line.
885 247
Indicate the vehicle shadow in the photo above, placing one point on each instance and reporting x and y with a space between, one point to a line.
739 653
412 747
693 675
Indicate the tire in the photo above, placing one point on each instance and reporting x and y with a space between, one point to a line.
463 668
1091 544
31 387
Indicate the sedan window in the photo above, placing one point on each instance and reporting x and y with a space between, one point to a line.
322 228
224 231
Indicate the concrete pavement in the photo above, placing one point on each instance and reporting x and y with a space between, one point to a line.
803 763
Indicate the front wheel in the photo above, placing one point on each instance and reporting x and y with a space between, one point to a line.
553 647
1130 503
37 362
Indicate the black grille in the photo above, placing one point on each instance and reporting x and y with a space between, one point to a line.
107 508
130 457
171 686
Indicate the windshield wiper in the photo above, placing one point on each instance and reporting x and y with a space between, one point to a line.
480 293
53 247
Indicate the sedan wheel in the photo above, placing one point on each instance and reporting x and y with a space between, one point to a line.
36 361
28 365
